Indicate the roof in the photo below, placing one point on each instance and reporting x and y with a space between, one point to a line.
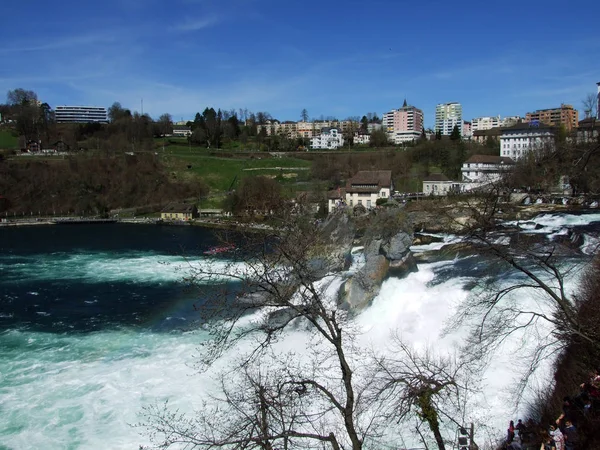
491 132
336 193
590 122
179 208
436 177
489 159
370 181
526 126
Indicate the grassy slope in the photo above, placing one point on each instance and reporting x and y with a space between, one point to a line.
219 173
7 140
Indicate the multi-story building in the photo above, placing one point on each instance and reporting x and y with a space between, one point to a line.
362 138
517 141
328 139
467 130
510 121
80 114
367 186
403 124
447 116
565 115
182 131
485 168
485 123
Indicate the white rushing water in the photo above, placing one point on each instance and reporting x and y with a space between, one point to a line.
83 391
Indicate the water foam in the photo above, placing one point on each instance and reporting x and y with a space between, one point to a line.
87 267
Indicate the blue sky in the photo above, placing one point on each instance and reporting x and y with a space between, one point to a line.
333 58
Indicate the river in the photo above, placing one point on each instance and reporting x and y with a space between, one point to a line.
96 323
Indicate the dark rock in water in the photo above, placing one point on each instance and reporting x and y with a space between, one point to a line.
339 230
424 239
384 258
281 317
401 267
398 246
538 226
572 240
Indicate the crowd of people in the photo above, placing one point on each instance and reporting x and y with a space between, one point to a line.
563 434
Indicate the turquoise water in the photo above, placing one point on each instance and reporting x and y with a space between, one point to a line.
94 323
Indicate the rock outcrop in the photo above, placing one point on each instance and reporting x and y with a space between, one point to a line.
383 258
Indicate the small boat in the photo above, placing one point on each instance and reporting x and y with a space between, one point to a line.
219 249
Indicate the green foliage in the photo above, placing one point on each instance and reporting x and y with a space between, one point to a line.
8 140
381 201
455 136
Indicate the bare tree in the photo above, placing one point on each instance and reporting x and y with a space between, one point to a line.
590 105
424 385
537 268
285 278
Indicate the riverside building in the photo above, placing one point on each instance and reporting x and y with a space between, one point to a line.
80 114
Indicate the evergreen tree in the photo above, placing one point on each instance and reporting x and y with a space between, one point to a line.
455 136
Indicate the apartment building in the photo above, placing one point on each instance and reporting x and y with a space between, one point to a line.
467 130
487 123
328 139
517 141
406 121
565 115
80 114
447 116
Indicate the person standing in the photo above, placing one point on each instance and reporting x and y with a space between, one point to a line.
558 437
570 435
510 432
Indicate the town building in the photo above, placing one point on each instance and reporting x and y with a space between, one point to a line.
439 184
467 130
179 211
80 114
374 126
482 136
181 131
405 119
329 139
566 115
362 138
402 137
487 123
518 140
485 168
336 199
367 186
447 116
588 130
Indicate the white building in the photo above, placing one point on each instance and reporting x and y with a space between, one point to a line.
329 139
181 131
447 116
485 168
401 137
517 141
362 138
439 184
367 186
80 114
485 123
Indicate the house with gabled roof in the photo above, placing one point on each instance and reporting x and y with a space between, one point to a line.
367 186
179 211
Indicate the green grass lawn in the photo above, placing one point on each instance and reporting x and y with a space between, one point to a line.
7 140
220 172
